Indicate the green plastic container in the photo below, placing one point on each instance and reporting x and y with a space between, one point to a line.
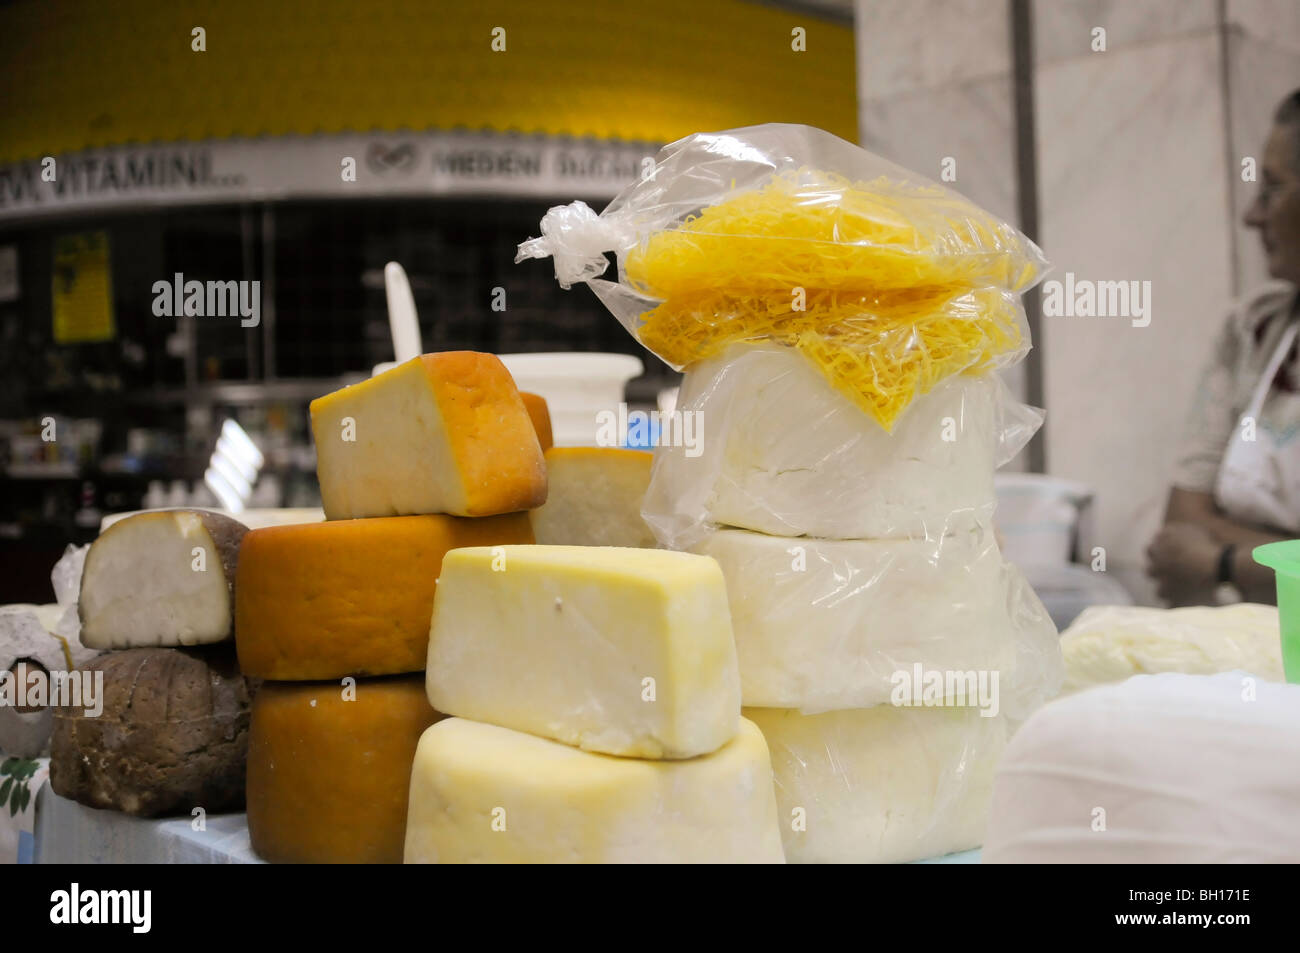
1284 559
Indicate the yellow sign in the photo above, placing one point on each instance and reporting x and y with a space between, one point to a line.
83 289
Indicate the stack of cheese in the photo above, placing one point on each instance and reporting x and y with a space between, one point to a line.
839 323
597 706
859 563
437 453
159 723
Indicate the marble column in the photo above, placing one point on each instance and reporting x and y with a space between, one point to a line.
935 83
1139 144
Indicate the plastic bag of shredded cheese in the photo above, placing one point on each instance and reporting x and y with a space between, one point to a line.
886 282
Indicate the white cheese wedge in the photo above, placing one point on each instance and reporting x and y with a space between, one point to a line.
161 578
594 497
483 794
881 785
782 452
625 651
1158 769
825 624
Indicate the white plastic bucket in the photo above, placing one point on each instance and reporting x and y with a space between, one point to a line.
1038 517
577 387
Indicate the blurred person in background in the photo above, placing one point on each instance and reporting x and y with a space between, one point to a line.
1237 483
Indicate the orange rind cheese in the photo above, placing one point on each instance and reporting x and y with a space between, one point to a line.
540 414
349 597
329 769
442 433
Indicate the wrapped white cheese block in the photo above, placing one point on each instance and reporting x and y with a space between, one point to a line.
484 794
1112 643
1159 769
883 784
828 624
783 452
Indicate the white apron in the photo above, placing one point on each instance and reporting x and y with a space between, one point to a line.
1259 480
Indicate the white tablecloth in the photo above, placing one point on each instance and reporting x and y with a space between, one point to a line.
69 833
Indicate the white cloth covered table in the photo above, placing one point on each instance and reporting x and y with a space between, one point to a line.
70 833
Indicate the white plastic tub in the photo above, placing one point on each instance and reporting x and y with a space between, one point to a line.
577 386
1039 516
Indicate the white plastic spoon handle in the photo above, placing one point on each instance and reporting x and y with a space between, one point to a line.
401 313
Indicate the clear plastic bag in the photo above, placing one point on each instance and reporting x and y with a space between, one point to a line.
781 452
885 281
25 634
66 579
838 624
881 785
889 783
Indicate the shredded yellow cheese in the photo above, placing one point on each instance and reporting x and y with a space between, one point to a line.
887 288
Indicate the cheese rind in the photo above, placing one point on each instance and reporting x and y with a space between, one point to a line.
172 734
349 597
483 794
594 497
161 578
442 433
784 453
540 414
328 777
624 651
883 784
825 624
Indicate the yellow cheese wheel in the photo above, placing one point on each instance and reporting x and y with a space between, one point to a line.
441 433
540 413
329 769
349 597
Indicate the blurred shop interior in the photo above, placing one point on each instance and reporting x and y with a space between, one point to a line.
231 162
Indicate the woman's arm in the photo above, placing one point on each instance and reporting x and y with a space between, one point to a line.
1199 509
